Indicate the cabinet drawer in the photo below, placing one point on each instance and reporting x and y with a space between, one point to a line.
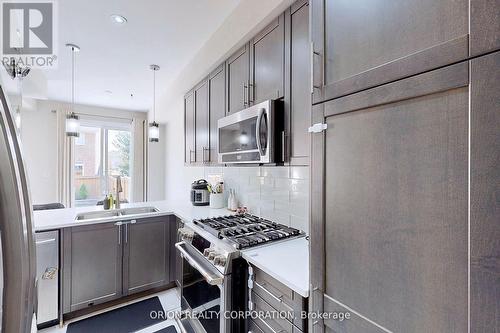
274 322
273 286
279 296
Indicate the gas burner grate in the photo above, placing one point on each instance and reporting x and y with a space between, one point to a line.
247 230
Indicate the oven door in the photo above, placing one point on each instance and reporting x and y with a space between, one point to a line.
247 136
202 292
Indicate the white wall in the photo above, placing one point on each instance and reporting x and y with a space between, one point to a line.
39 142
156 168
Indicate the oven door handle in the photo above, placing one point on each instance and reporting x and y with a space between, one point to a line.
257 130
209 277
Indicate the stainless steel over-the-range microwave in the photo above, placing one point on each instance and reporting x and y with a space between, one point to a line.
253 135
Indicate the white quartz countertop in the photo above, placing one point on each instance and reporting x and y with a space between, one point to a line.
287 262
63 218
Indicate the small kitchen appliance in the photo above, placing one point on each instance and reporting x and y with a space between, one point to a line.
200 196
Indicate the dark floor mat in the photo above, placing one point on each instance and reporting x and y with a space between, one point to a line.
170 329
210 319
127 319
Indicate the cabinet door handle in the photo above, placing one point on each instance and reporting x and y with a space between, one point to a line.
126 233
251 93
205 160
313 53
278 299
119 232
190 156
283 146
245 90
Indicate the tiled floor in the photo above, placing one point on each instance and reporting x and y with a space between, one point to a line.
169 300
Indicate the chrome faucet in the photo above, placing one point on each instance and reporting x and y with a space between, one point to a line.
119 190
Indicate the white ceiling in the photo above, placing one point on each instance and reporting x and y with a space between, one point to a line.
117 58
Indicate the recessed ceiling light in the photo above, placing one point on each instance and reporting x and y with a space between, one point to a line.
108 92
118 19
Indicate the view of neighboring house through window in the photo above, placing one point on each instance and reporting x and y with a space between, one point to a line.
102 152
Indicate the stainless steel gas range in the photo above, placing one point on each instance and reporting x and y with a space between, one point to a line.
214 276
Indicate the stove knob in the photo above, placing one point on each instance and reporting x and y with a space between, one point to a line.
220 260
212 255
206 252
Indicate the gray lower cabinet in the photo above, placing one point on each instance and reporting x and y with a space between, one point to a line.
237 80
267 63
189 129
106 261
389 224
92 265
217 107
362 44
146 257
271 296
298 92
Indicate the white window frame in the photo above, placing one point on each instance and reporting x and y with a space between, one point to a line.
105 124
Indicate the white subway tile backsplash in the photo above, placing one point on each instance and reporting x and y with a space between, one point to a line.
280 193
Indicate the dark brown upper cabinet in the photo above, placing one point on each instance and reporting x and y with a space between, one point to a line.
217 105
267 63
237 80
189 128
201 122
297 83
362 44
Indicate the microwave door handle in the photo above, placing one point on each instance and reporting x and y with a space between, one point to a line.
257 130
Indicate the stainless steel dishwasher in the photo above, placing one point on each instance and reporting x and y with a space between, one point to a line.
47 271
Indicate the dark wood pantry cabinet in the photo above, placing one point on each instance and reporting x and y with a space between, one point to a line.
362 44
485 177
392 233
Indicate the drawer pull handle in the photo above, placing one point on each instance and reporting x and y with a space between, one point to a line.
276 298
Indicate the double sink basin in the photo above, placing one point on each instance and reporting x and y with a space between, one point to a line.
116 213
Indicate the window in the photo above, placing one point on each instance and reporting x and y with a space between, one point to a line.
103 154
80 141
79 171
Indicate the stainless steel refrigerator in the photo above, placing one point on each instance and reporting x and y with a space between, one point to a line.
17 251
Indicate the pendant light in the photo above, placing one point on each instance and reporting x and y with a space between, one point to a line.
154 128
72 120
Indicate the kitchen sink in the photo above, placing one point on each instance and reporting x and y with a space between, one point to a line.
116 213
97 215
138 210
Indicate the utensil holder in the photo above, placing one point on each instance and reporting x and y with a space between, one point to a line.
216 200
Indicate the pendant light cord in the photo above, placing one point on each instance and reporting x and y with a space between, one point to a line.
72 79
154 95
